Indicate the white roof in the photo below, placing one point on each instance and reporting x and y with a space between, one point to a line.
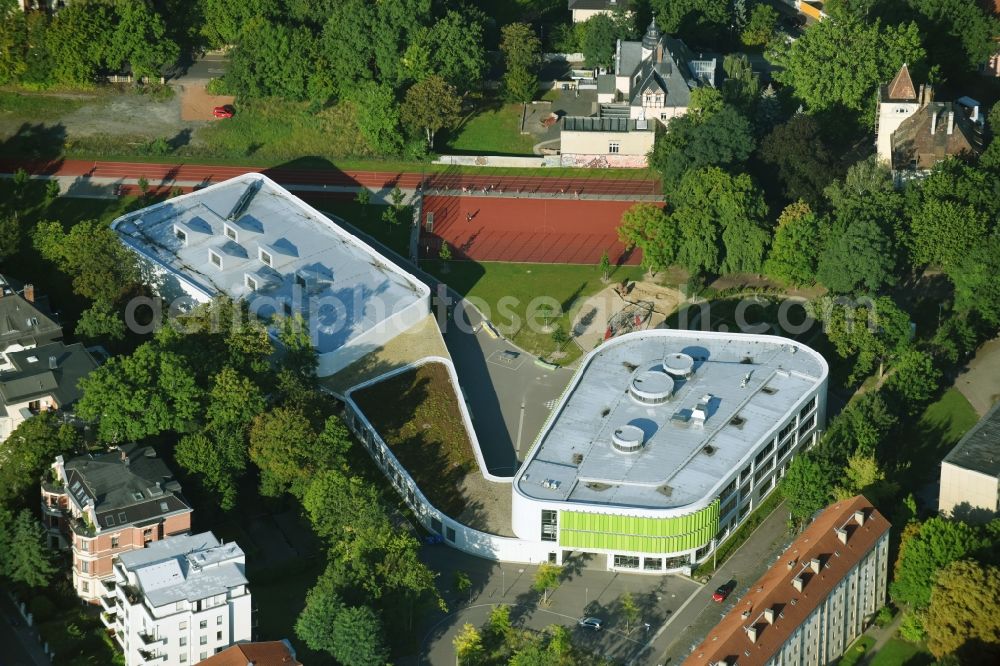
341 285
713 421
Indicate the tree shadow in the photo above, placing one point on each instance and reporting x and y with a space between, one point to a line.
41 145
180 139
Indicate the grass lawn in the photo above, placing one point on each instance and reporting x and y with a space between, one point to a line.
933 434
369 220
487 283
37 107
898 652
425 431
856 651
492 131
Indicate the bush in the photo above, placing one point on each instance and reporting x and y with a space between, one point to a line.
884 616
42 609
911 628
159 147
217 87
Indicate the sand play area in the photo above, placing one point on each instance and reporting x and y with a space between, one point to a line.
646 306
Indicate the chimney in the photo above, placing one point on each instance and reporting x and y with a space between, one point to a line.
797 583
859 517
769 615
841 534
29 293
951 122
933 122
659 52
930 94
752 633
790 564
975 113
814 564
53 363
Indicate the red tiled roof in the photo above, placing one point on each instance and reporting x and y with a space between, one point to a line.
774 590
269 653
901 87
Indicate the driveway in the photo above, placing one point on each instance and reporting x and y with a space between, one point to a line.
584 591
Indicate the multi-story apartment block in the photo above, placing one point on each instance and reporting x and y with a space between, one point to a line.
107 504
970 473
178 601
814 601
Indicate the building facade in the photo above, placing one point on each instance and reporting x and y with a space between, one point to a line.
178 601
583 10
663 443
100 506
814 601
970 473
265 653
252 240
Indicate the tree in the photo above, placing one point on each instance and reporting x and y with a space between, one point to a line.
77 40
363 197
629 610
862 426
299 354
444 254
140 39
768 110
29 450
546 578
457 49
924 550
463 583
559 337
976 286
100 320
468 645
700 18
342 508
522 55
963 617
284 447
872 331
25 558
378 117
795 250
742 86
760 28
959 35
826 75
430 105
604 266
860 257
12 64
863 476
600 33
101 268
914 381
646 227
723 138
808 485
224 21
804 165
499 626
141 395
271 60
10 235
560 646
323 604
357 637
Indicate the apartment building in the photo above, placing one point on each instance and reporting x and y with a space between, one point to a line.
103 505
970 473
814 601
178 601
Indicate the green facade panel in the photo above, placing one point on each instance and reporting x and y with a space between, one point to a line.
590 531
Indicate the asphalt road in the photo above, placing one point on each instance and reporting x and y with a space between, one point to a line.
18 648
587 590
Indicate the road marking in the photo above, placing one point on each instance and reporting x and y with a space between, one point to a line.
520 427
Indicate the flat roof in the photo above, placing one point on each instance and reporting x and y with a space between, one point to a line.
233 230
979 449
747 385
729 642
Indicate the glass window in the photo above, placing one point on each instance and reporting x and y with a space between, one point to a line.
203 624
550 521
765 468
763 452
203 640
745 473
183 641
183 658
114 542
450 534
215 259
183 237
652 563
265 257
85 566
218 620
231 233
614 147
627 561
184 624
85 586
218 635
203 656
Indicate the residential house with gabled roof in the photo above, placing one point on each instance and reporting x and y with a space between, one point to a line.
102 505
265 653
24 324
915 132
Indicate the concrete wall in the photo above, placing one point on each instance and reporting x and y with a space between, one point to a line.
890 117
456 535
963 486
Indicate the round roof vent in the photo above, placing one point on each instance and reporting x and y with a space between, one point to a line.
627 438
651 387
679 365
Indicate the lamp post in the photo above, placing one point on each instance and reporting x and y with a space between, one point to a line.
503 582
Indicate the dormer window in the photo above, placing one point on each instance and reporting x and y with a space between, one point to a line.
251 282
300 280
265 257
215 258
231 233
181 235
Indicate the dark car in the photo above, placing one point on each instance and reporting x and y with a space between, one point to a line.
594 623
224 111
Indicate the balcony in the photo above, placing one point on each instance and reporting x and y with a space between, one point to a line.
109 602
109 584
108 618
151 657
150 641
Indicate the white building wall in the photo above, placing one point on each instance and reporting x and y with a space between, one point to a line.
965 486
890 116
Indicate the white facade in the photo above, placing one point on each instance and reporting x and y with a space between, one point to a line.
179 601
891 115
251 239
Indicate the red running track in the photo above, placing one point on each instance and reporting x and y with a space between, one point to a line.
556 231
205 174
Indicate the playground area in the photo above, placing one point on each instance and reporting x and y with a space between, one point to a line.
529 230
622 308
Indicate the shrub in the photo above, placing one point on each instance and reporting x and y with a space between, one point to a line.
42 609
884 616
217 87
911 628
158 146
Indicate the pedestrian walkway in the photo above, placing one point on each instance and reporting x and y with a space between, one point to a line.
25 649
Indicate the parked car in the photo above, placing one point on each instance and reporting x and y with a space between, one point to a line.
594 623
723 591
225 111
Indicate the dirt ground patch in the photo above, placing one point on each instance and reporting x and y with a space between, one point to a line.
197 104
487 506
591 321
979 382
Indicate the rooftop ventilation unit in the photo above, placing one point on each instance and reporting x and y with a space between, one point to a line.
627 439
651 387
244 201
551 484
679 365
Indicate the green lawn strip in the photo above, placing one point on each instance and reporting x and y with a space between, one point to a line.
930 437
897 652
495 131
369 220
857 650
521 286
33 108
744 531
425 431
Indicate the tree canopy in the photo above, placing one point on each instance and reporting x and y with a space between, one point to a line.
926 548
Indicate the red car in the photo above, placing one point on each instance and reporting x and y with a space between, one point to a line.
722 592
225 111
